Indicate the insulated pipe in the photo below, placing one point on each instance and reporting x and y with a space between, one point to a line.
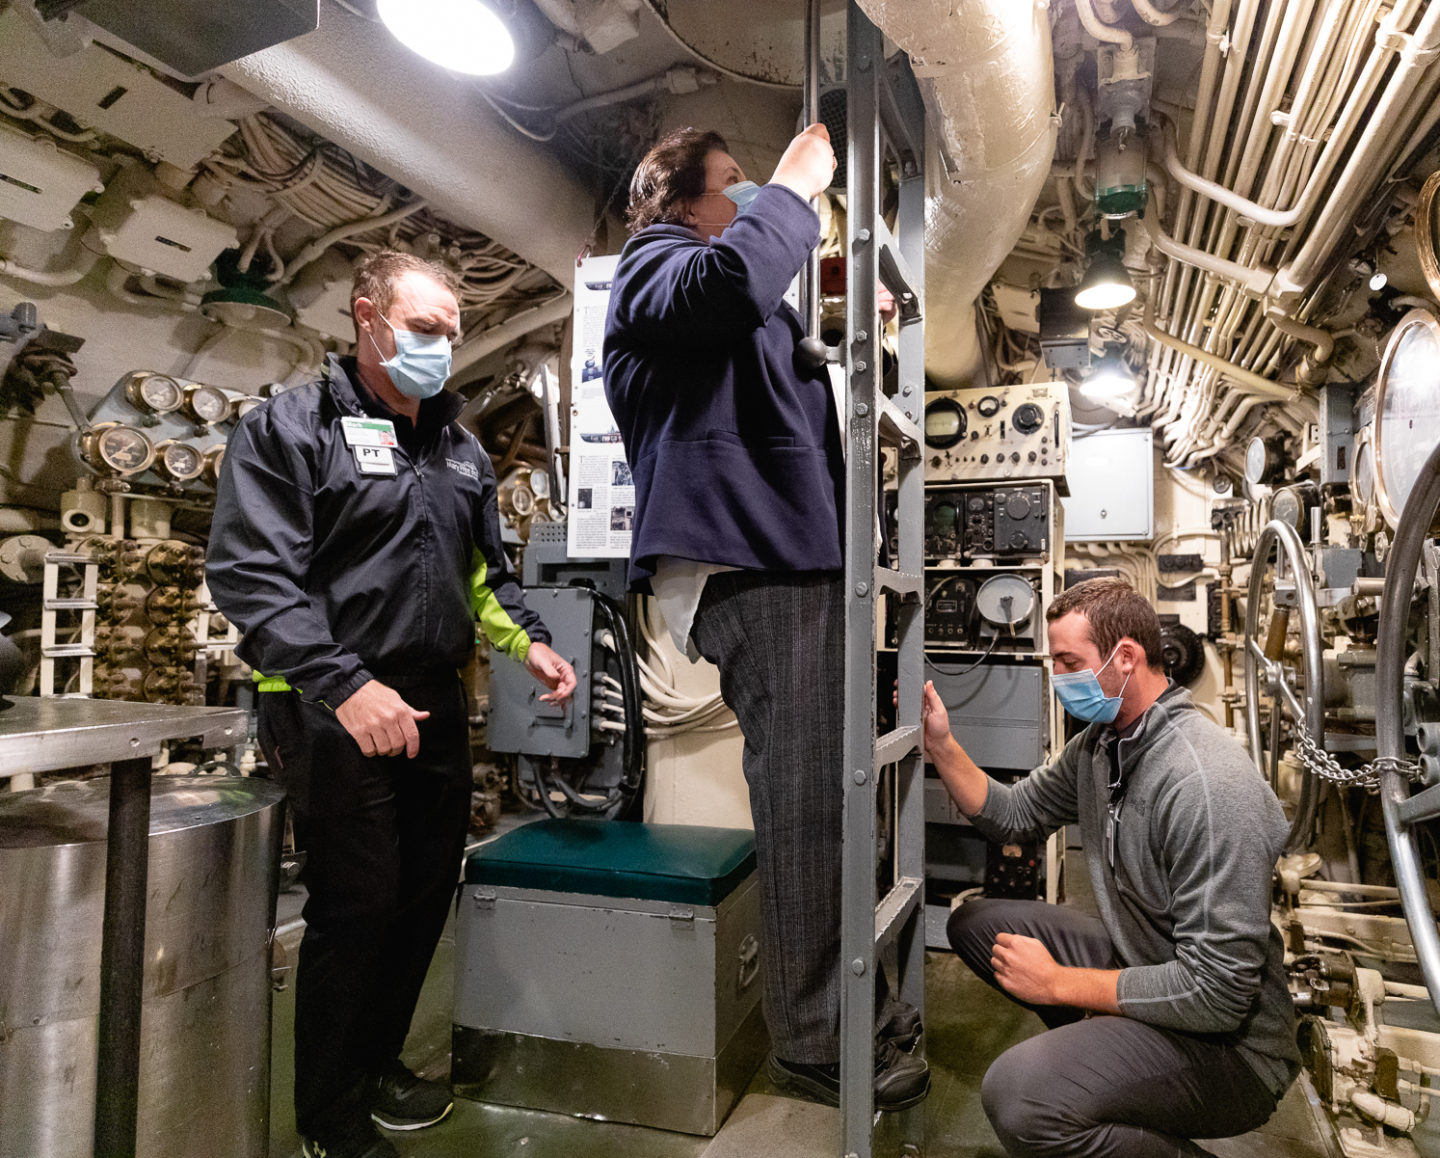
988 75
1256 280
478 346
1100 30
421 126
1322 340
1244 379
1415 58
50 277
1152 15
318 247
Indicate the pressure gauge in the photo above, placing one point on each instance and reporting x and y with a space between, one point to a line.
1293 505
1362 474
113 448
154 393
944 423
1407 410
206 405
1264 459
178 461
214 457
247 404
1005 600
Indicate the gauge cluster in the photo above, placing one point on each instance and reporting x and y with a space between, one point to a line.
998 433
160 432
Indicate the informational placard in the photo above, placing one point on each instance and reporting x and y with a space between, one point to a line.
602 493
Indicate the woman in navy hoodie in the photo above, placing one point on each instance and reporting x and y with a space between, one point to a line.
734 444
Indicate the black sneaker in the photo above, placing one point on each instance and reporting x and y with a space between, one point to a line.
358 1145
901 1079
401 1101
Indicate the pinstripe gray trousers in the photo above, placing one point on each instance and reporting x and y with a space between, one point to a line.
778 639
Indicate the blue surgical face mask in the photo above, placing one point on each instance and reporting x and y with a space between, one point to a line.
1081 695
421 363
742 193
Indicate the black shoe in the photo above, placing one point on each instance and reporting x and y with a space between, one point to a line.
355 1144
901 1079
401 1101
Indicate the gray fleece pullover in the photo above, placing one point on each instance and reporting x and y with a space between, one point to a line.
1187 904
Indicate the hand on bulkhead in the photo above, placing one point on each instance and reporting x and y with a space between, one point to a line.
546 665
381 722
807 164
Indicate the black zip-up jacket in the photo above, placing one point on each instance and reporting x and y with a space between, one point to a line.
335 577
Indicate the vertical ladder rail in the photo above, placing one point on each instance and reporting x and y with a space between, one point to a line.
876 928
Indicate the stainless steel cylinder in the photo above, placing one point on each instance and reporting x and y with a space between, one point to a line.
205 1028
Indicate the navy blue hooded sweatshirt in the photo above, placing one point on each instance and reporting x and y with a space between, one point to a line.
735 449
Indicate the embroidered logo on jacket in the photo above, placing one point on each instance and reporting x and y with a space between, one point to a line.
468 469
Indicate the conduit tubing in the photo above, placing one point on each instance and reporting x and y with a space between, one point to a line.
1245 379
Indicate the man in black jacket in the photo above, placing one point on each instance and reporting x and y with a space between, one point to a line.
356 540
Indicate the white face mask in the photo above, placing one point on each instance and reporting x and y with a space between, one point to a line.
421 364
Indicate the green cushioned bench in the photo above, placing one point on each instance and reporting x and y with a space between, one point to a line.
654 862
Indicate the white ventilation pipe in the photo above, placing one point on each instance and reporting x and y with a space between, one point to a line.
361 88
988 78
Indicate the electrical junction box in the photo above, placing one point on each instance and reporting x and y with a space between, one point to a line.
1020 308
518 721
40 183
609 969
1112 486
320 296
998 712
134 222
101 90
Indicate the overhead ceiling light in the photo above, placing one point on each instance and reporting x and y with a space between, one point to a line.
1106 284
1110 378
461 35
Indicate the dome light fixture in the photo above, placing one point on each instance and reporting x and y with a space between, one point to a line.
1111 377
1106 284
464 36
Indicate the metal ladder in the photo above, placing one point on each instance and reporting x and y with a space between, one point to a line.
886 121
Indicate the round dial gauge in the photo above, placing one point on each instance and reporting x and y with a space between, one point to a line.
1293 504
116 449
213 458
1257 460
206 404
245 405
179 461
1004 600
988 407
944 423
1362 474
154 393
1407 410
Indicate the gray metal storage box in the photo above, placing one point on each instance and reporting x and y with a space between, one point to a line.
610 970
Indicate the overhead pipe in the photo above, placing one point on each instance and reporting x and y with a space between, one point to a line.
1105 33
987 73
1243 378
1152 15
1416 57
1254 279
478 346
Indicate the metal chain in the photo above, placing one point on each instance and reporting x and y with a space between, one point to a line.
1324 765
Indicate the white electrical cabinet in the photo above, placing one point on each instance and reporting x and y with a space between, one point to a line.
1112 486
40 183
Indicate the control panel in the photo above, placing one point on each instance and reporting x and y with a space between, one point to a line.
999 522
979 609
1002 432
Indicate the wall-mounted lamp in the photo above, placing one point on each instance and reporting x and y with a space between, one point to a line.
1111 377
461 35
1106 284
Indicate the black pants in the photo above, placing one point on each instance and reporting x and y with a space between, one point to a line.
383 837
1101 1086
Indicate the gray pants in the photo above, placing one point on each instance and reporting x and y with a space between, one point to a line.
1101 1086
778 640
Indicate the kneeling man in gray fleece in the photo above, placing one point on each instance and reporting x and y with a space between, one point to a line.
1168 1016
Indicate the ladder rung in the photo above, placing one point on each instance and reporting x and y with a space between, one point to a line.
899 582
895 428
896 274
70 605
893 909
892 746
67 651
